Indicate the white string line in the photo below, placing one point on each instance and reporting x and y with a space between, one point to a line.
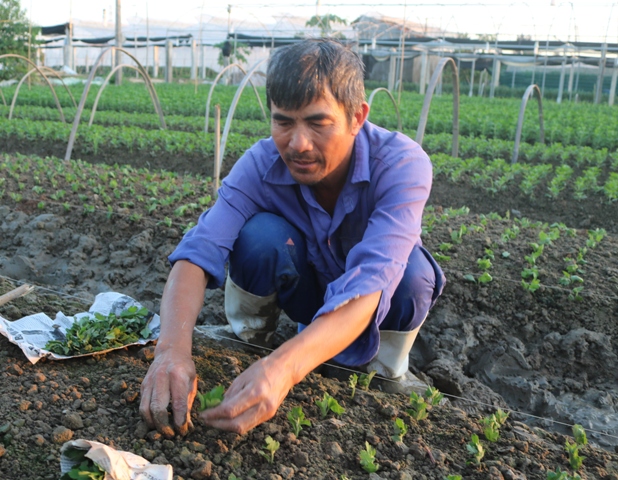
343 368
351 370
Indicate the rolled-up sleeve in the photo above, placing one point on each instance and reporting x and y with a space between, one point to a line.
209 243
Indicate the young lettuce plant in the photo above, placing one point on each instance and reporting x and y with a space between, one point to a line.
270 447
296 417
365 379
210 399
399 430
419 406
368 459
352 382
327 404
475 449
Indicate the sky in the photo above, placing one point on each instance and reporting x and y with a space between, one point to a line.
582 20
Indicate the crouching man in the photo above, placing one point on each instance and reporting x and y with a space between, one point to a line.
321 220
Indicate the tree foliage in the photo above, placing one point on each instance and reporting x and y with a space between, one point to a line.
14 36
325 24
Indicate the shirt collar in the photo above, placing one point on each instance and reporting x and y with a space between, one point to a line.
278 173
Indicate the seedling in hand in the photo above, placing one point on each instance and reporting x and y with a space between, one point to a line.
296 417
368 458
211 399
399 429
271 446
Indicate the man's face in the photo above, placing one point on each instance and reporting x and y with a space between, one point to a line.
316 141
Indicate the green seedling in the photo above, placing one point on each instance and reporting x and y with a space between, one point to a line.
399 430
103 332
575 294
445 247
490 428
296 417
418 410
441 258
433 395
485 278
86 469
365 379
327 404
483 263
572 449
452 477
368 459
352 382
501 417
210 399
270 447
560 475
475 449
580 435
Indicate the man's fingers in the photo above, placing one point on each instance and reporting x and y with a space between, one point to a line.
183 390
159 400
242 423
144 405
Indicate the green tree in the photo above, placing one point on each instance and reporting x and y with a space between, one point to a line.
325 24
14 37
237 52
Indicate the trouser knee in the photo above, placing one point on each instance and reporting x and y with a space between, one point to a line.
421 284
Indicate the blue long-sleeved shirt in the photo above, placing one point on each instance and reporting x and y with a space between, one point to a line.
363 248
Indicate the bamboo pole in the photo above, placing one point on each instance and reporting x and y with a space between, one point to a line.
16 293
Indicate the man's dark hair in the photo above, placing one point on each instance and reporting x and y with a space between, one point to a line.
303 72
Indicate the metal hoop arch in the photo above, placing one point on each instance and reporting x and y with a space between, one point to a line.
23 79
382 89
82 101
214 84
422 122
520 121
230 113
13 55
106 82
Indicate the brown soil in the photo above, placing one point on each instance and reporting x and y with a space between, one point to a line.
538 353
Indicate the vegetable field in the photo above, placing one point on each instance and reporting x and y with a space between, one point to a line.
526 325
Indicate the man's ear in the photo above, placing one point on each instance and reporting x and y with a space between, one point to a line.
359 118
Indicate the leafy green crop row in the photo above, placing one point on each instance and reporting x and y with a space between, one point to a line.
570 124
532 179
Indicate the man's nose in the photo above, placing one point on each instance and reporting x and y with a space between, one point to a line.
300 141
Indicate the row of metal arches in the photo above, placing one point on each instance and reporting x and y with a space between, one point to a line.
255 70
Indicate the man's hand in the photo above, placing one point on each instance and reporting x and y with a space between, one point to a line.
171 377
253 397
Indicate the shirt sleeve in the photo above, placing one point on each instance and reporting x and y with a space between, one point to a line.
377 263
209 243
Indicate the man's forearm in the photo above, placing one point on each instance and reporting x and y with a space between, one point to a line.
181 303
326 337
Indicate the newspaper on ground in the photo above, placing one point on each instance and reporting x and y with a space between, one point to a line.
32 333
118 465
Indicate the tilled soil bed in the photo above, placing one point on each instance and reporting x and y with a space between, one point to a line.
549 353
46 404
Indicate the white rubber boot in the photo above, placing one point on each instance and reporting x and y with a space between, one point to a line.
252 318
392 362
